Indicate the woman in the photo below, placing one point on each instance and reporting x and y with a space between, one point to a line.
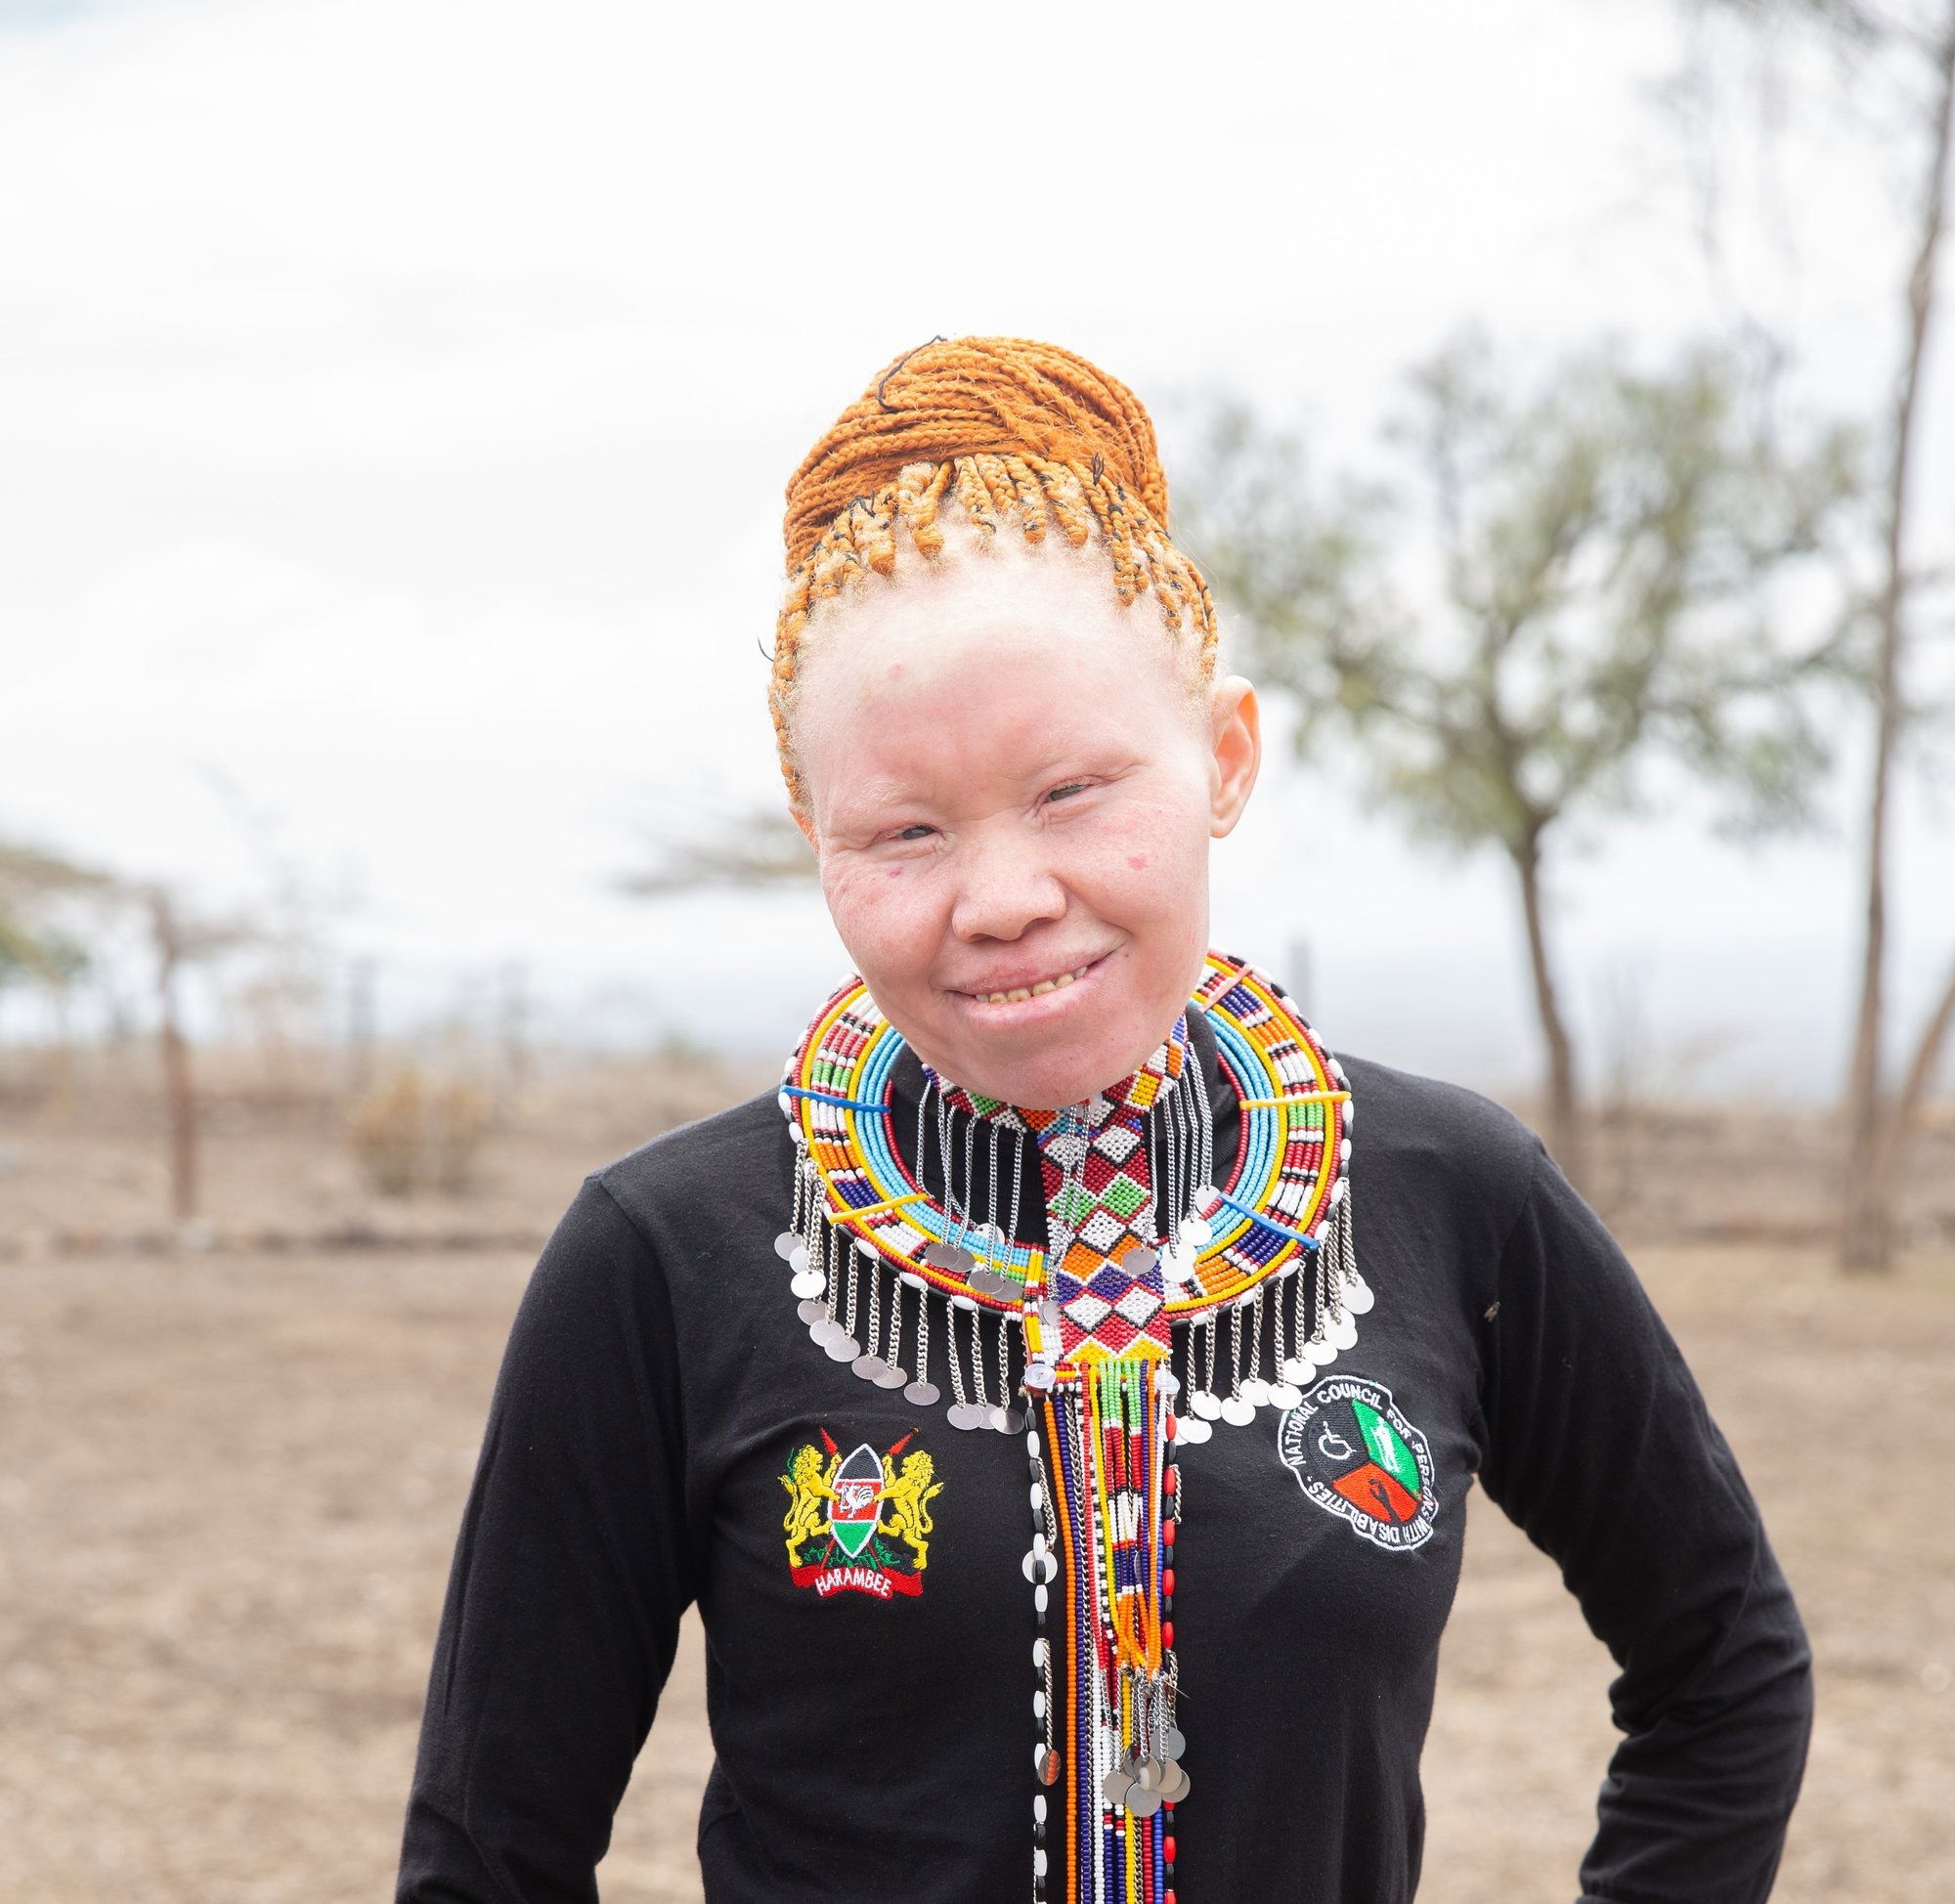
1161 1620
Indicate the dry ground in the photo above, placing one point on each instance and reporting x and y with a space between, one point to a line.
230 1481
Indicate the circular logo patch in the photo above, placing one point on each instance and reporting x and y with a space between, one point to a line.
1357 1457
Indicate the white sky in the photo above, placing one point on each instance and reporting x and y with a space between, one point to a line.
398 398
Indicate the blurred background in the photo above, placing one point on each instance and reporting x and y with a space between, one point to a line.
397 402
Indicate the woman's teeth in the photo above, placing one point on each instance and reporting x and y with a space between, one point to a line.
1031 991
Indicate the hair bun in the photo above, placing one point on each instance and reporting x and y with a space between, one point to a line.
965 395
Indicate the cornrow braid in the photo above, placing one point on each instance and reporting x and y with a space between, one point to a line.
1009 430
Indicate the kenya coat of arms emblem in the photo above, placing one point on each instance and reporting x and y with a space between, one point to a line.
858 1522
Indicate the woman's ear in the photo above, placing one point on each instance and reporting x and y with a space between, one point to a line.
1236 733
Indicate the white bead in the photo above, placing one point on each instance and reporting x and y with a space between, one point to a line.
1038 1599
1038 1807
1039 1704
1038 1860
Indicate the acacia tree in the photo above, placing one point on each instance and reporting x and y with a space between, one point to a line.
1598 557
1898 57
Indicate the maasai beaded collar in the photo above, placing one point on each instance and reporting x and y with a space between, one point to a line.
1129 1283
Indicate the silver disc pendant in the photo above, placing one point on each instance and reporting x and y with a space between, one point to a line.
1238 1410
1141 1802
1256 1391
964 1414
1285 1394
811 1282
1297 1368
1358 1296
1176 1787
1176 1745
1192 1429
841 1346
1011 1421
869 1367
822 1327
1205 1405
1343 1333
922 1393
809 1311
891 1376
786 1243
947 1256
1114 1786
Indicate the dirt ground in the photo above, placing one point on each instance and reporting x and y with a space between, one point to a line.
230 1481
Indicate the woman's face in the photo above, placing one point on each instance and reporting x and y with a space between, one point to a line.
1011 791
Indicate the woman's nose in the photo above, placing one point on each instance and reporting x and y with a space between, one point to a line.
1005 886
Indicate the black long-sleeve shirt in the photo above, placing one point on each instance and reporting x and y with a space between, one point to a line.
879 1748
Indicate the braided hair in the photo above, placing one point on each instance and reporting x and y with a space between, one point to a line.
1006 429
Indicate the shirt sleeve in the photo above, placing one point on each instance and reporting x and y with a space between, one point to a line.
1598 1445
568 1581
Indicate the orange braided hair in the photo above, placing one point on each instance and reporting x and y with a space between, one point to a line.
1000 425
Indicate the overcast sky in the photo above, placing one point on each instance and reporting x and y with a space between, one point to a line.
398 399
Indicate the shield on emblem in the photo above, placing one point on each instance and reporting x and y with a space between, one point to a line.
858 1500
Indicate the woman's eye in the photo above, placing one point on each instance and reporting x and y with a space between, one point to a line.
917 832
1065 789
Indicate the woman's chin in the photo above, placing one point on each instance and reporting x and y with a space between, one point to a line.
1032 1073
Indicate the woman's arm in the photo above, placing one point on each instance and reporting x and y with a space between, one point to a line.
569 1578
1598 1445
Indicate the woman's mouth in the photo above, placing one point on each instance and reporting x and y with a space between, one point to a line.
1056 982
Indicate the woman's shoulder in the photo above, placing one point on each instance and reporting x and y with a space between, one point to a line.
701 1163
1441 1135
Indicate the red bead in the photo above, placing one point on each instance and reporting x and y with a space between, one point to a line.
1171 1480
1167 1633
1171 1897
1170 1427
1167 1580
1168 1532
1167 1849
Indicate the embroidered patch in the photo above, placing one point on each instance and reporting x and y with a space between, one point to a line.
858 1521
1357 1457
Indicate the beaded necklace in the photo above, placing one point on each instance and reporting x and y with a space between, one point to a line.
1086 1336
